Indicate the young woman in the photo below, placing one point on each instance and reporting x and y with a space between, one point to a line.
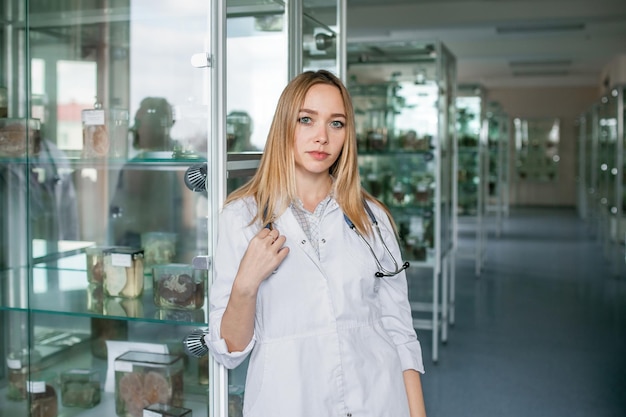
305 282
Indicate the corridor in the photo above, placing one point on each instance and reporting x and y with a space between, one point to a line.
541 332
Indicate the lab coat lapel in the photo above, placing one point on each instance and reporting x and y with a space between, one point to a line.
288 225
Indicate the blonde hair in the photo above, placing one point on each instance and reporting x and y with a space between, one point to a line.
273 186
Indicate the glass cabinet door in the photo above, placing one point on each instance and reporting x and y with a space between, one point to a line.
607 167
261 58
257 47
404 103
602 166
108 106
612 131
469 106
320 35
267 43
619 95
591 171
257 70
471 184
498 139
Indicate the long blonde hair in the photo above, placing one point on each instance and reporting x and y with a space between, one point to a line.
274 187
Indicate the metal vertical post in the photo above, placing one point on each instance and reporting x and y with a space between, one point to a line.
294 37
618 93
218 375
14 258
582 168
342 41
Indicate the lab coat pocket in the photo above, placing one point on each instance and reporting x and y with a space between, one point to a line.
255 377
362 257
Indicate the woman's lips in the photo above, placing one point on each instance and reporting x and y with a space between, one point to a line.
318 155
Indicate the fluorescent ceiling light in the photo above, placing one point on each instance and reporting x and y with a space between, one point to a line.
540 28
547 73
541 63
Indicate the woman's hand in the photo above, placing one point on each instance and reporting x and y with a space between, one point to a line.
264 254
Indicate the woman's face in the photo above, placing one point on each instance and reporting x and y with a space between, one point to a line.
320 132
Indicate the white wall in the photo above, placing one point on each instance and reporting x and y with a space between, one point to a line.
614 73
565 103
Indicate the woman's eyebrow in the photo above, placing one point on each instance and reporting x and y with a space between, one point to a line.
316 113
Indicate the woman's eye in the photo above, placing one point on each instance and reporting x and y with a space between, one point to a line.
337 124
304 120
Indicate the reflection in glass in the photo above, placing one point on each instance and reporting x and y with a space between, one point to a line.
256 48
537 148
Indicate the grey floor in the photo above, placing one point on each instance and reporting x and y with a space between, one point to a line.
540 333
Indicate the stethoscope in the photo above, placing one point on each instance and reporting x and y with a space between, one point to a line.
382 272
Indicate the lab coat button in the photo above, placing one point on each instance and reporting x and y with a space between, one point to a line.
303 242
323 240
349 415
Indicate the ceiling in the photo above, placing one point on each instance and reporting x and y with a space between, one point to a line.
504 43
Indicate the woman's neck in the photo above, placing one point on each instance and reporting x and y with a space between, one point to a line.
313 190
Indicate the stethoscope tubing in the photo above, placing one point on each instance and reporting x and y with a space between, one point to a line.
382 271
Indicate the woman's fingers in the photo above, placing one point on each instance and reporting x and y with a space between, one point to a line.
265 253
272 237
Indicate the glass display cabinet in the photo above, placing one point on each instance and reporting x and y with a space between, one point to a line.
606 171
617 103
610 177
589 166
537 148
471 172
404 98
582 173
122 129
498 142
107 107
582 205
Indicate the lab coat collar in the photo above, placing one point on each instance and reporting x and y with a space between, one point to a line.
288 225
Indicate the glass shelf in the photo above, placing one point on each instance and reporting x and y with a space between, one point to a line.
105 408
73 296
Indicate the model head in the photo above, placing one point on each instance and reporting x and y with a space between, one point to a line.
153 121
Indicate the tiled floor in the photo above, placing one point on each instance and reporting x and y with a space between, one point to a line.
541 332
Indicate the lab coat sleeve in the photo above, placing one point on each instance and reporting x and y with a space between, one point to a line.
396 309
232 242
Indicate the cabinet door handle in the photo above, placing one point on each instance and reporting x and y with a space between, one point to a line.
201 60
202 262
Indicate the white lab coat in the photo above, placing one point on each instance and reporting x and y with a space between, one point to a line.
330 339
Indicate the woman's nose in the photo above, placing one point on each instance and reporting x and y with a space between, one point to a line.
322 136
